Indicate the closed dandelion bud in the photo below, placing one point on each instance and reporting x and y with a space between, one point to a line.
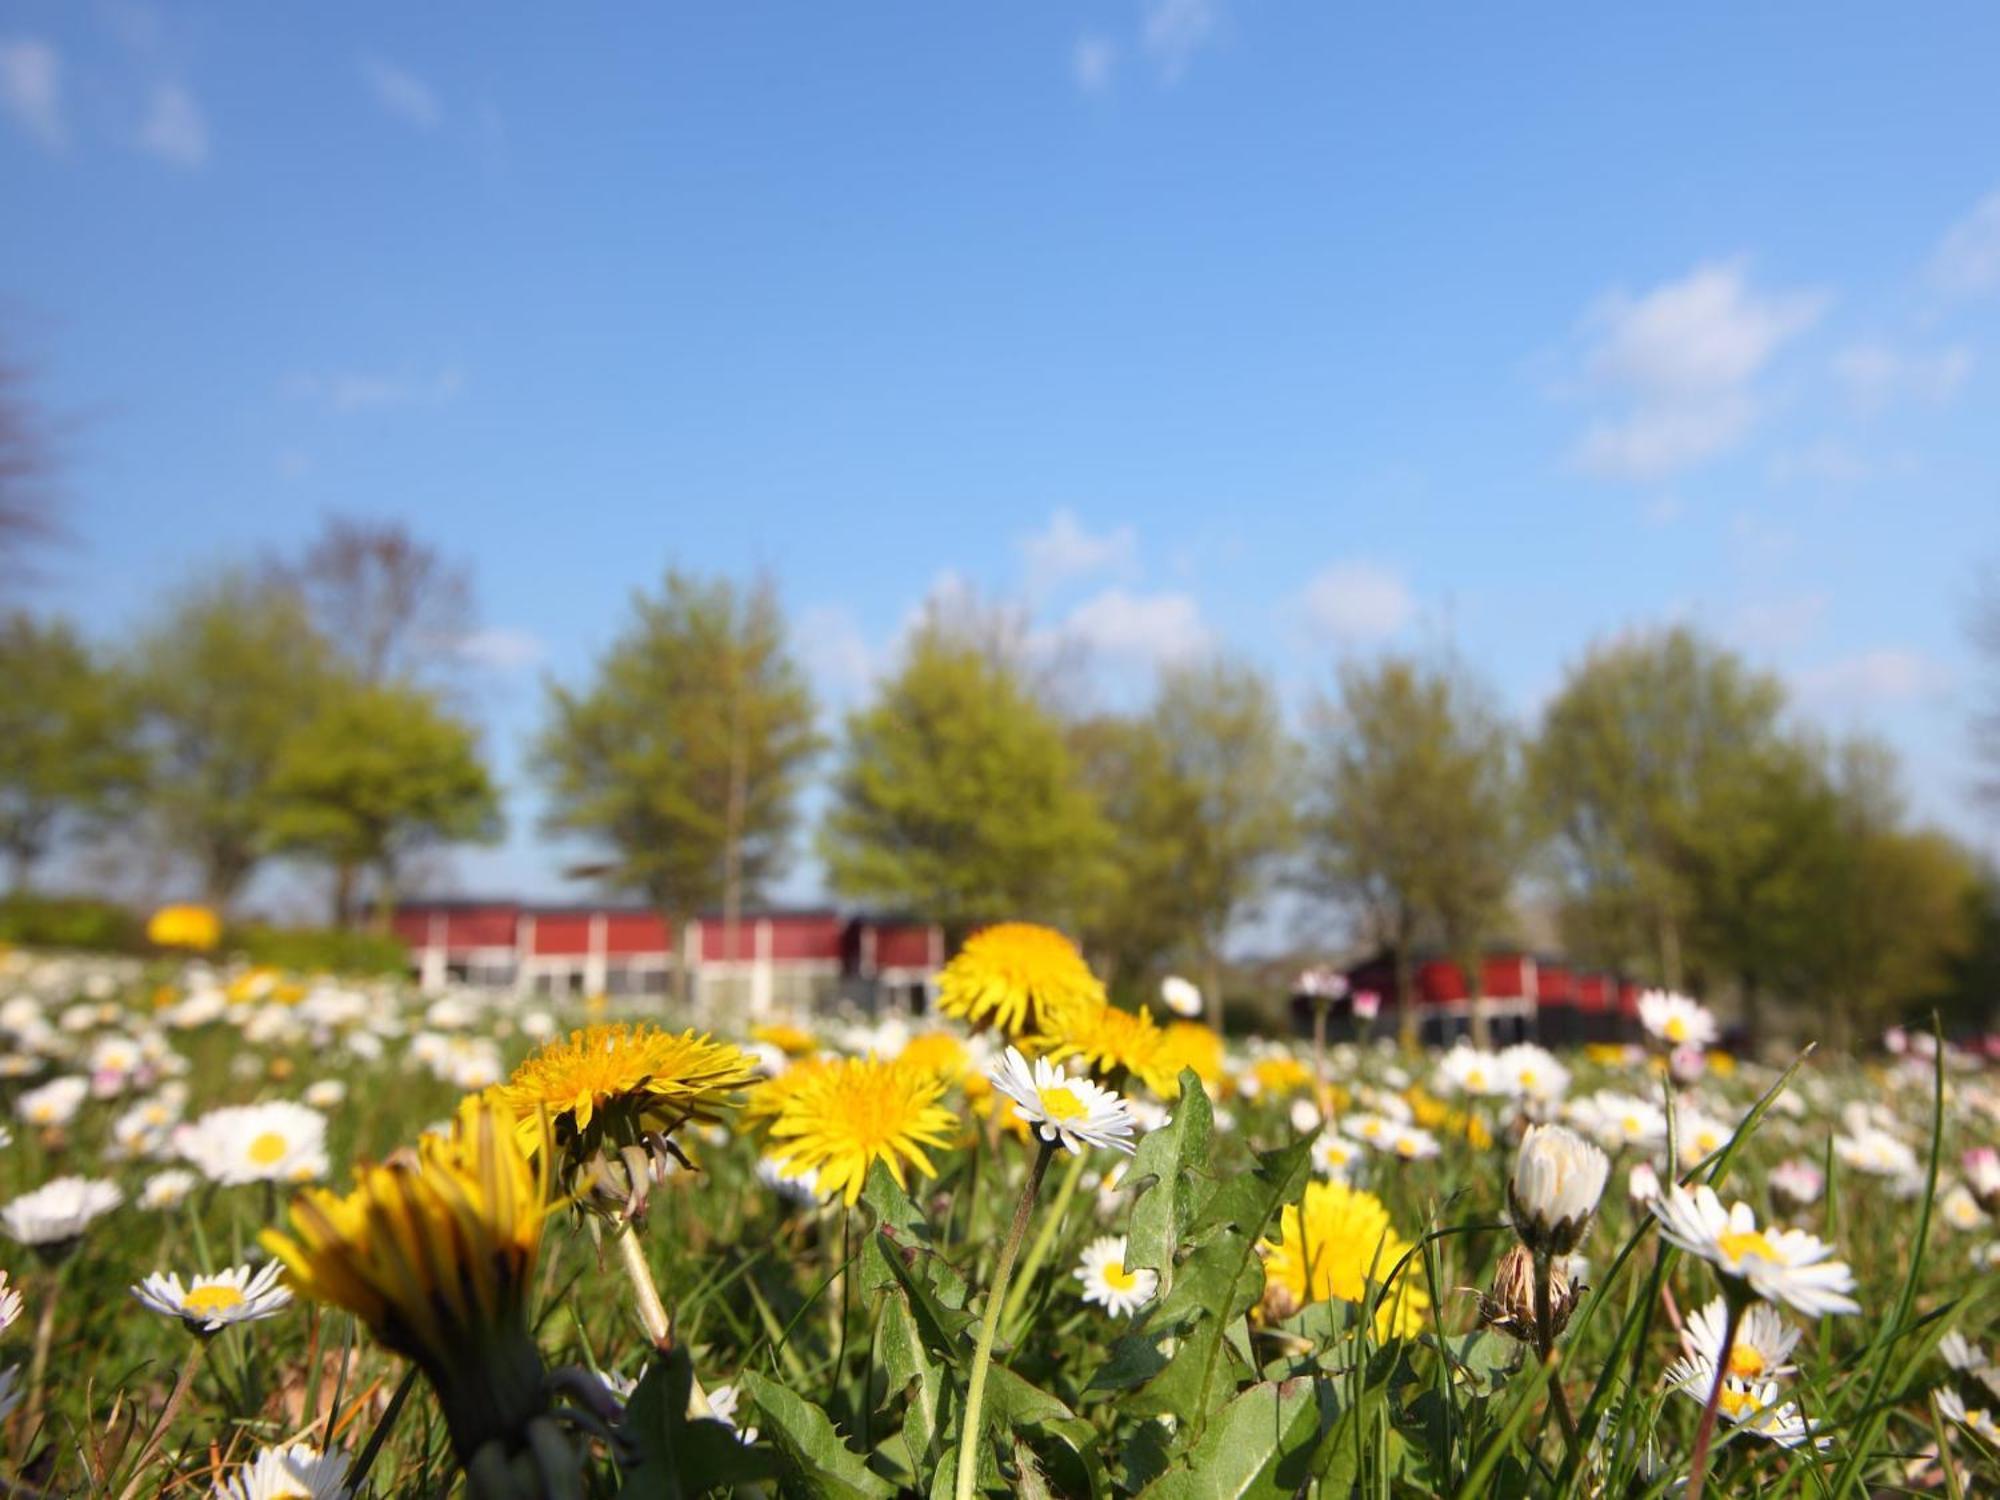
1558 1178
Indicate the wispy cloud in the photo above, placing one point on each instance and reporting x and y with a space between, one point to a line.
1092 61
174 128
836 649
1358 603
1066 549
1682 361
502 648
353 391
1174 31
1827 461
1876 376
1138 628
31 91
401 94
1967 262
1870 679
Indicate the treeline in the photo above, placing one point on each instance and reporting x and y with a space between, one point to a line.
1668 814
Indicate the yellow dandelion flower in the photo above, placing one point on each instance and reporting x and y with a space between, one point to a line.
1328 1246
1280 1073
195 928
619 1084
1016 976
767 1097
1112 1043
937 1052
858 1111
793 1041
1189 1044
1435 1114
435 1251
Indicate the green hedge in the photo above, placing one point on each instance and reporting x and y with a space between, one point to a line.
77 922
70 922
313 950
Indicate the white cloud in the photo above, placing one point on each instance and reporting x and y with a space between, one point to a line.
401 94
352 391
501 648
174 129
1779 624
1091 62
1824 462
1130 627
1065 549
31 90
1175 30
1886 674
1682 359
1359 602
1967 263
835 649
1877 376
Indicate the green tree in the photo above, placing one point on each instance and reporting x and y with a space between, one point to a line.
683 758
67 744
378 772
224 675
957 796
1649 737
1413 811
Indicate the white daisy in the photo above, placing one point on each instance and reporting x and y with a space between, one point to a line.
54 1104
1787 1266
1553 1190
168 1189
1335 1155
1615 1120
1642 1183
1977 1420
1961 1210
1764 1340
1797 1182
1472 1070
1963 1356
60 1210
1411 1144
792 1181
1676 1020
1982 1175
328 1093
299 1472
1755 1406
1876 1152
1180 996
10 1304
275 1142
1106 1281
1074 1112
1370 1129
209 1304
1533 1072
722 1404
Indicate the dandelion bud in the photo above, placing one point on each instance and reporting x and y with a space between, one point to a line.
1558 1178
1510 1306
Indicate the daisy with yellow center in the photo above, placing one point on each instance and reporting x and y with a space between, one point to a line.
1330 1246
209 1304
1786 1266
435 1251
1112 1044
1017 977
1107 1283
1762 1349
858 1111
275 1142
1752 1404
1072 1113
620 1084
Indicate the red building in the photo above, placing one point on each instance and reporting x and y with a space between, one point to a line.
769 961
1525 996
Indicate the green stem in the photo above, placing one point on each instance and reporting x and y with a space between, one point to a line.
1698 1461
1044 1241
972 1437
175 1399
38 1361
1545 1346
652 1311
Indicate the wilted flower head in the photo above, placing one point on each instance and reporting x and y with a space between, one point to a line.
1557 1179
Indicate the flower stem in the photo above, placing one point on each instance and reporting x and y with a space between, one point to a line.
1038 1249
38 1362
1545 1346
1698 1460
175 1399
652 1311
971 1438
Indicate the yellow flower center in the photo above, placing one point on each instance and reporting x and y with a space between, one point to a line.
1633 1125
1476 1079
1677 1028
1736 1403
206 1300
1748 1242
1527 1078
43 1113
1062 1104
1119 1279
1745 1362
268 1148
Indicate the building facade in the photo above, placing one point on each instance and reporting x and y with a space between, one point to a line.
1524 997
764 963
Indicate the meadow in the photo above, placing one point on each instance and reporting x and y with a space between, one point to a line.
1032 1245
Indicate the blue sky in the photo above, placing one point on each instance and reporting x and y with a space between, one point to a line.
1300 330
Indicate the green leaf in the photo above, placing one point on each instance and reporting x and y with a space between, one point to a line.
1168 1170
678 1456
1258 1447
813 1449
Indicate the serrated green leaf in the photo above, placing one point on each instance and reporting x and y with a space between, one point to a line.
1258 1447
676 1456
812 1447
1169 1171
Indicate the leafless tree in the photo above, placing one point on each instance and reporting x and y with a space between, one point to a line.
392 604
28 496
